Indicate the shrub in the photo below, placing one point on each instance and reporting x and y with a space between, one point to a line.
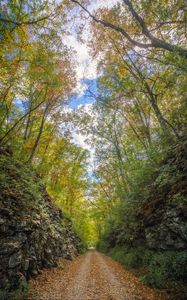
20 294
156 279
147 257
82 247
3 295
118 254
158 269
178 268
131 258
166 265
103 246
160 266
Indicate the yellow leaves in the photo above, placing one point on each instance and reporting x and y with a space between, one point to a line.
16 39
8 40
7 43
122 72
23 36
29 143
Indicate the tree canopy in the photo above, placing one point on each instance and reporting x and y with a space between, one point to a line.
139 109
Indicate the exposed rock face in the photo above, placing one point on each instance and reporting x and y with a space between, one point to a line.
169 231
33 232
165 214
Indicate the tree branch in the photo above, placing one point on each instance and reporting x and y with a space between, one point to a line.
155 42
23 22
19 120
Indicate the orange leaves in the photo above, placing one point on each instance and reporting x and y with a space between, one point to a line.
92 276
28 145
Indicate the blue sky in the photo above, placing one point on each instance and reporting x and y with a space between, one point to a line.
87 96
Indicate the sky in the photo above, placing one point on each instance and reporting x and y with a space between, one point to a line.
86 72
84 97
87 66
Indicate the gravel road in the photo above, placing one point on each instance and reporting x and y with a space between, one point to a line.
92 276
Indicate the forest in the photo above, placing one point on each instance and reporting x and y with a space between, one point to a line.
109 148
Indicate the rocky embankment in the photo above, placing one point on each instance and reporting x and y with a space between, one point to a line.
164 216
33 231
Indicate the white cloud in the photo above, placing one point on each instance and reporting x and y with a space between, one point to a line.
86 69
102 3
87 66
80 140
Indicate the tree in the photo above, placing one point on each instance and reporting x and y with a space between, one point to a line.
154 41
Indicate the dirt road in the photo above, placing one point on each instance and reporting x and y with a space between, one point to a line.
92 276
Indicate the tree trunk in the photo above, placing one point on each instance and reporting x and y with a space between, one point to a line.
39 133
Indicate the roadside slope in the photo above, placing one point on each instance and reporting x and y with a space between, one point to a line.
34 232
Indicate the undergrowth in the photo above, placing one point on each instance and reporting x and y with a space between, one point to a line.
21 294
159 267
